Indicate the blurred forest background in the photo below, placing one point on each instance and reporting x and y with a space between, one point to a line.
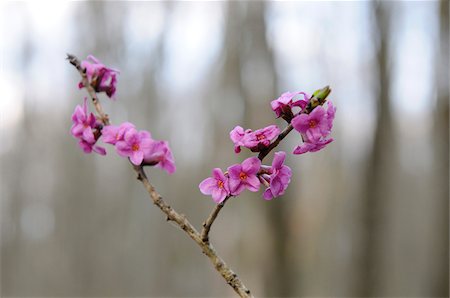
367 216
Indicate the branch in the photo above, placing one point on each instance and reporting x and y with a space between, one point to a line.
210 220
179 219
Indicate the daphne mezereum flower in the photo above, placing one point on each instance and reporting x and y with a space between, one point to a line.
111 134
279 178
134 145
315 128
254 140
85 128
101 78
160 155
283 105
244 176
216 186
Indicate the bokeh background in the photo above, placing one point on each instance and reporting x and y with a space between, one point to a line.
367 216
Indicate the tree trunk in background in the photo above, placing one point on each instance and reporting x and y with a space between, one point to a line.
380 161
440 279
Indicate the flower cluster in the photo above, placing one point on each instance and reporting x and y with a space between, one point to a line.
86 128
248 175
100 77
139 146
136 145
314 127
306 115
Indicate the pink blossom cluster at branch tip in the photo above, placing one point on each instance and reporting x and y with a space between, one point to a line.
86 129
311 120
138 146
100 77
315 128
254 140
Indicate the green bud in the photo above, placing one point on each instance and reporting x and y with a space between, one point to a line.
322 94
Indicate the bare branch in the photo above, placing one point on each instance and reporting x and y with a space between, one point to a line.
210 220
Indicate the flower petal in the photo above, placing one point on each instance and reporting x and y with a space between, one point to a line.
252 183
267 195
278 159
251 165
207 186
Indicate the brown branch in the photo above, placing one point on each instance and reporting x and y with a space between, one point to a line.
210 220
179 219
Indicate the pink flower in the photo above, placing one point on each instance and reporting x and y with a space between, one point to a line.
83 123
216 186
244 176
315 128
86 129
89 147
159 154
313 125
282 106
331 111
111 134
254 140
261 138
237 137
279 178
312 146
101 78
134 145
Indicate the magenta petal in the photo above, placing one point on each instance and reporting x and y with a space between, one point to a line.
123 149
218 195
276 186
278 159
137 157
236 186
131 136
267 195
301 123
100 150
207 185
217 174
234 171
300 149
168 165
253 183
88 135
238 190
77 130
251 165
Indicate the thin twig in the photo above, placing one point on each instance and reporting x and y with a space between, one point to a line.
172 215
210 220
